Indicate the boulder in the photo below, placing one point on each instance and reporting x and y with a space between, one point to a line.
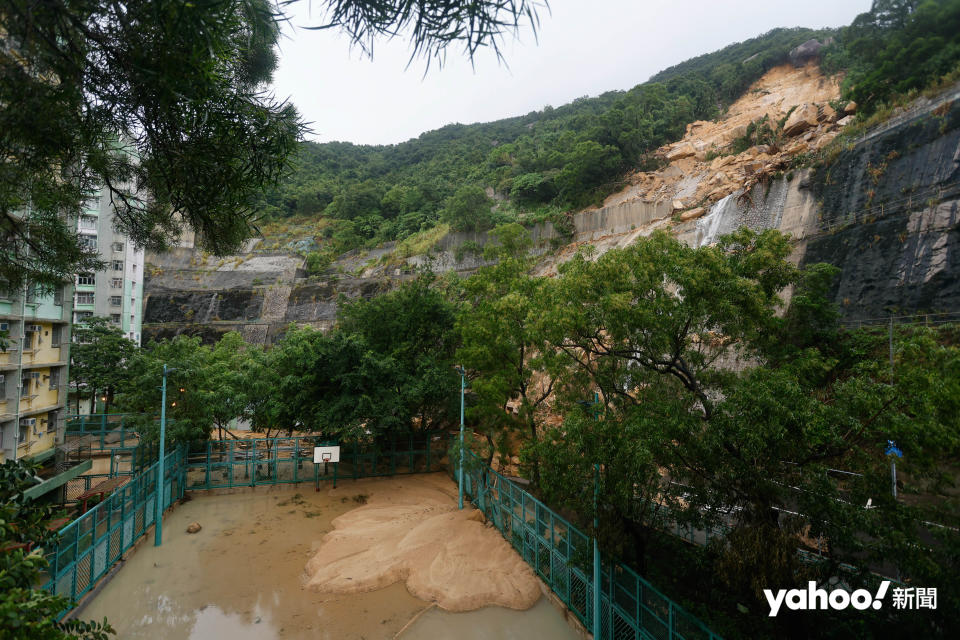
827 113
803 117
721 161
842 122
797 146
678 205
693 214
809 50
850 108
737 132
681 150
825 139
193 527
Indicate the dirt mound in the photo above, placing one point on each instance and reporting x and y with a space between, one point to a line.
413 532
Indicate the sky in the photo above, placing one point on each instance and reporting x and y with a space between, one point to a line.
582 48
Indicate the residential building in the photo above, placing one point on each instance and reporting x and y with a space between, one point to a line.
116 293
33 370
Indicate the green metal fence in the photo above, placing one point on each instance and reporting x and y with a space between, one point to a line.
267 461
106 430
630 607
89 546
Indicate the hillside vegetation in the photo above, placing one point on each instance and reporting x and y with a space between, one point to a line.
551 161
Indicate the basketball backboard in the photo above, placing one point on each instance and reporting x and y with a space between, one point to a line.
326 454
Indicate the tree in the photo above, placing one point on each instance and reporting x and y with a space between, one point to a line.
720 410
98 359
503 344
163 103
230 372
192 392
413 328
330 384
28 613
468 209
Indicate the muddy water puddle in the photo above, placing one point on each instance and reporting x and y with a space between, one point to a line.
240 577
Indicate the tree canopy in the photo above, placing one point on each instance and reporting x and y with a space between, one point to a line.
165 104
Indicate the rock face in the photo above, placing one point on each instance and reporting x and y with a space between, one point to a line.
804 117
891 219
809 50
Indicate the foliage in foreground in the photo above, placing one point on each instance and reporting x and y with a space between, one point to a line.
27 613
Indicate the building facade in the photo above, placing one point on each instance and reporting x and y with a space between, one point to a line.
115 293
34 370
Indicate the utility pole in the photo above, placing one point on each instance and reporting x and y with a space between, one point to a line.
158 518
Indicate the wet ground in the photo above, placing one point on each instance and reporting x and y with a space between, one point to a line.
240 577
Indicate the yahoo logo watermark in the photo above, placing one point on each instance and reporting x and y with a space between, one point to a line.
814 597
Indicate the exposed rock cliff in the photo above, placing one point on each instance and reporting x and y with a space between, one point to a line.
884 210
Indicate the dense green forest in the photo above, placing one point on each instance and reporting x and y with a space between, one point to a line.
558 159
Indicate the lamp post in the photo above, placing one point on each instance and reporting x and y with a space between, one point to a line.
463 387
596 554
158 518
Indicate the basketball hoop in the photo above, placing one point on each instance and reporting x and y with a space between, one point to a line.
324 456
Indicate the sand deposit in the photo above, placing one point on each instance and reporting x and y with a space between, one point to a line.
415 534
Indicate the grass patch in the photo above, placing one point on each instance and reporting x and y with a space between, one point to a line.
420 243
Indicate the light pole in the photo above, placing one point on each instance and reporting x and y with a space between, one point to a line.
158 518
463 387
596 555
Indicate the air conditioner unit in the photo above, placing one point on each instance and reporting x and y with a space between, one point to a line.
4 326
33 328
28 422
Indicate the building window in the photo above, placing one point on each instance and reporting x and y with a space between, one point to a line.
88 242
118 265
55 335
116 283
3 387
85 297
84 315
31 293
54 378
58 296
115 301
118 246
88 223
22 436
52 421
87 278
115 318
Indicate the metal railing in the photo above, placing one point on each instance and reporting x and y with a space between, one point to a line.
89 546
105 431
630 607
267 461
